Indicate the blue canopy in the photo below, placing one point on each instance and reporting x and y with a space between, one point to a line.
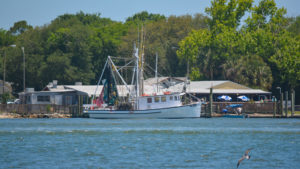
244 98
234 105
225 97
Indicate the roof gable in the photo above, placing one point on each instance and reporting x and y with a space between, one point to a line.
164 80
229 85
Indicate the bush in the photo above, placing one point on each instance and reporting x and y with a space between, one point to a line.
48 108
5 97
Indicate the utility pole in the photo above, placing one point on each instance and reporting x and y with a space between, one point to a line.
23 69
4 69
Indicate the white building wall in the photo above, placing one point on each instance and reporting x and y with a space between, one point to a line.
54 99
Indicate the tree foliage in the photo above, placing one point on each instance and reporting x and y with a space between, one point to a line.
162 37
255 54
19 27
72 48
294 25
260 52
6 38
227 14
145 16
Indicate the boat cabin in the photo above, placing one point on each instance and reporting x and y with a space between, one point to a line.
159 101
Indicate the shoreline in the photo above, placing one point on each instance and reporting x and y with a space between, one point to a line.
60 115
259 115
29 116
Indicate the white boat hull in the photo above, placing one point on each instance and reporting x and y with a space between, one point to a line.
186 111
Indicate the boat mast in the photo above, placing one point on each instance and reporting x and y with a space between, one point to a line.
187 75
156 59
137 72
137 78
186 81
141 61
139 54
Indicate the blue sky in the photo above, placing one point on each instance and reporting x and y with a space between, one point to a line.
40 12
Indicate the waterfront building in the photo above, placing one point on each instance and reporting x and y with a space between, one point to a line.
73 94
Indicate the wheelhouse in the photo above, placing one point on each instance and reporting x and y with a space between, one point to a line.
159 101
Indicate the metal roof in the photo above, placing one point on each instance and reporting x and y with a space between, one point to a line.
200 87
203 87
52 91
205 84
152 81
90 89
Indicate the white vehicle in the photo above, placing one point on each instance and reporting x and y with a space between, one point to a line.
16 101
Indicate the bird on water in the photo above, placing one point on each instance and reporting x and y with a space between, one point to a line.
245 156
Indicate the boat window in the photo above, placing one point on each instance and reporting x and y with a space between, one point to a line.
156 99
175 97
149 100
171 97
163 99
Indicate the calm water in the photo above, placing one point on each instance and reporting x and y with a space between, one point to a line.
185 143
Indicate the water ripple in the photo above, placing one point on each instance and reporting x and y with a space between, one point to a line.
187 143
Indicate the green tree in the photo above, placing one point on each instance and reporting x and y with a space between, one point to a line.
74 44
294 25
145 16
287 60
215 45
73 47
19 27
224 51
58 67
275 45
162 37
226 13
6 38
34 54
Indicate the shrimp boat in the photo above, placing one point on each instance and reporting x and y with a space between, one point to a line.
119 99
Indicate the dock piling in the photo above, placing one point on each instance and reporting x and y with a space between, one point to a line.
293 102
210 103
286 103
281 104
274 109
